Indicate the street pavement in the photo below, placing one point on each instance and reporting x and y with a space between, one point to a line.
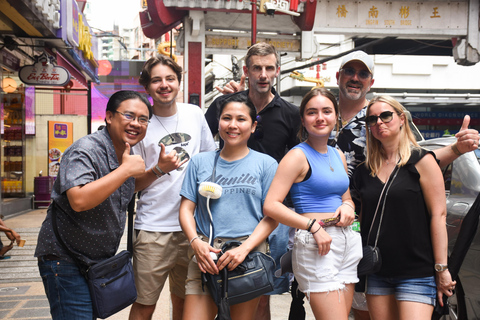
22 295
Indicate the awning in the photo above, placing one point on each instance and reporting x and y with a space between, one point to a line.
61 61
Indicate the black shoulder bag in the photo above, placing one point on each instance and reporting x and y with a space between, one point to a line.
249 280
372 260
110 282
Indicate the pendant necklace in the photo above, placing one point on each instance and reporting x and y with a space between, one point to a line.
329 164
168 132
388 162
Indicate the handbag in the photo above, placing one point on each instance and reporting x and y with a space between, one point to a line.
110 282
250 279
371 261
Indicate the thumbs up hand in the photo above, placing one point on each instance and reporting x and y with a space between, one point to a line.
467 139
134 163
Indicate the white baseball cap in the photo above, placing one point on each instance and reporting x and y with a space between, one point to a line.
359 56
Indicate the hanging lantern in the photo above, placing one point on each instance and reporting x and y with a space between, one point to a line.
9 85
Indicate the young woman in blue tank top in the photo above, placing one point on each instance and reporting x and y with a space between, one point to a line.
325 256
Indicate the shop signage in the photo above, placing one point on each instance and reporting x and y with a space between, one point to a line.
9 60
231 42
44 72
60 137
76 32
404 17
71 24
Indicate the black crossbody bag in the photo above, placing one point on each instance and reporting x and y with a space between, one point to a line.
249 280
372 259
110 282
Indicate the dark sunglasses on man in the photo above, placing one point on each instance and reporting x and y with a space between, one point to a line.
362 74
385 116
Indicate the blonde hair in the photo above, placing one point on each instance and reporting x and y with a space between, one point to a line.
375 152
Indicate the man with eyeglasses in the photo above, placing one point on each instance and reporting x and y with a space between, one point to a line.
94 185
177 131
354 79
278 122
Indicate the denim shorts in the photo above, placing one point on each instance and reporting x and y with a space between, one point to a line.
316 273
423 290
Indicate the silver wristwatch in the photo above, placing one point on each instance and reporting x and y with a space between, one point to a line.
440 267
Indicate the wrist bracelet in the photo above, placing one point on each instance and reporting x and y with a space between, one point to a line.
161 171
317 230
155 172
193 239
311 225
348 204
455 149
308 223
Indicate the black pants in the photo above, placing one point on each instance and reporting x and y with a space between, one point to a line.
297 310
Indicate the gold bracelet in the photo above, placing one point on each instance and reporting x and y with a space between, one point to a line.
455 149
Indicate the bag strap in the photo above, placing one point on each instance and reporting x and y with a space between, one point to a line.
217 155
386 188
81 267
213 179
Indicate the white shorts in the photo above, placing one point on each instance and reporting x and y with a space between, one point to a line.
316 273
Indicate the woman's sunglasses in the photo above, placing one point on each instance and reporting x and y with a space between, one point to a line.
385 116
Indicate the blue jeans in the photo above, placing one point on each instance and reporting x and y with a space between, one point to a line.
66 289
422 290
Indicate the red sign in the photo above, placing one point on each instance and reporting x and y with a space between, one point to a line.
44 72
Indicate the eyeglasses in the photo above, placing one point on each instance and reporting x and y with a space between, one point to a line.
351 72
258 134
385 116
130 117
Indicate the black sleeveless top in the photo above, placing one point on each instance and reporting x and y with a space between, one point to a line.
404 240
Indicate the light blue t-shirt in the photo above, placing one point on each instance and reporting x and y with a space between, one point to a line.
245 184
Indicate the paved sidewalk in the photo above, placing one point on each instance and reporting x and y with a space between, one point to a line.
22 295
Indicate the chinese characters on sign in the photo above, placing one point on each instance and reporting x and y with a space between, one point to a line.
406 17
60 137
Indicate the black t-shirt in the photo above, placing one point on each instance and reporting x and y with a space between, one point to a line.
277 125
404 241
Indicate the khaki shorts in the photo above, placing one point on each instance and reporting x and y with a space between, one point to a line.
156 256
193 285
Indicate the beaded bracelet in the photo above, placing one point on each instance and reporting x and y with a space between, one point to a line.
311 225
309 222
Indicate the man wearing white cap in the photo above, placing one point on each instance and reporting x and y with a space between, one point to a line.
354 79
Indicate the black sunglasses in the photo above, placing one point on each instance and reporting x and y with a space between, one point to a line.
362 74
385 116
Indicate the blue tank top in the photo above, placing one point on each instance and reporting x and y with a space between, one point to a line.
323 190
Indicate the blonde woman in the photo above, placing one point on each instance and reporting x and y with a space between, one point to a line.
413 235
